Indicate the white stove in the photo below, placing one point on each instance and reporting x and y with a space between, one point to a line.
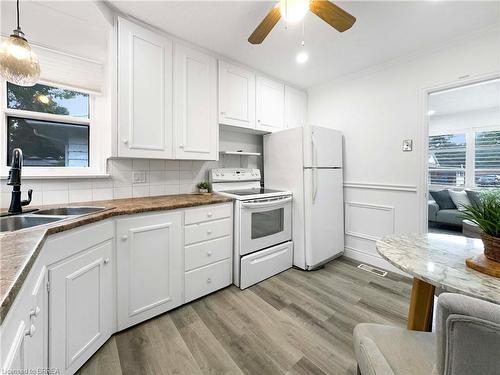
262 224
241 184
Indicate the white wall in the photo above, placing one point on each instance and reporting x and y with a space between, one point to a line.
376 110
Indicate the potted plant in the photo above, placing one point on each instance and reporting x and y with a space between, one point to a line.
486 214
203 186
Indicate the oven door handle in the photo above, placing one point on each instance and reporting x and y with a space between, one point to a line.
276 202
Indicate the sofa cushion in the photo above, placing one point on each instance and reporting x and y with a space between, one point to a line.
433 209
406 352
459 199
443 200
474 197
453 217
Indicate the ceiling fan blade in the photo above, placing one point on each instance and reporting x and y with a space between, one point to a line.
265 26
332 14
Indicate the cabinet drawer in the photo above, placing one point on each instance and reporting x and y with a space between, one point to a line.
199 215
208 252
207 231
207 279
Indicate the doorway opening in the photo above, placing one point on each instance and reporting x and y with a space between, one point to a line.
463 153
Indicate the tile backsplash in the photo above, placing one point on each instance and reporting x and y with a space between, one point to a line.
152 177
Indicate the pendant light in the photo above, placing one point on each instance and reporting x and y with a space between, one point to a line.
18 63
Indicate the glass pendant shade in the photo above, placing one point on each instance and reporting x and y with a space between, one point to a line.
18 63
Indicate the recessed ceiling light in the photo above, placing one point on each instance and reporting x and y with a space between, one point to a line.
430 112
302 57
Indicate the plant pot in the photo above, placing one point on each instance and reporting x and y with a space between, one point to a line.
491 247
203 190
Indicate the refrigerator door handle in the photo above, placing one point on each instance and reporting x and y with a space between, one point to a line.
315 184
314 166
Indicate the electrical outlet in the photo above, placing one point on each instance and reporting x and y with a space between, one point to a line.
138 177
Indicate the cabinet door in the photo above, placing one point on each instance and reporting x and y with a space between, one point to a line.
295 107
236 96
149 266
144 92
195 105
270 104
81 300
36 342
14 360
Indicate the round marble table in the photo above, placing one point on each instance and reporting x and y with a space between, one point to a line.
437 260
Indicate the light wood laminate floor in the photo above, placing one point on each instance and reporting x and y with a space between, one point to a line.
293 323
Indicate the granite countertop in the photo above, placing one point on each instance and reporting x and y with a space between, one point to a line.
439 259
18 250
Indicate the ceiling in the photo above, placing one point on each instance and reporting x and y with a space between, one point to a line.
384 30
484 95
75 27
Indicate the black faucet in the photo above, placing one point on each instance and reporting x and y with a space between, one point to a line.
16 204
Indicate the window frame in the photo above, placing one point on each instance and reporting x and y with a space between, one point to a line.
97 159
470 155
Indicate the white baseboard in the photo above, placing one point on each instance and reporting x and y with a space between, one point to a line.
372 260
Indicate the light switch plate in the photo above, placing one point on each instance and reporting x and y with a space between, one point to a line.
138 177
408 145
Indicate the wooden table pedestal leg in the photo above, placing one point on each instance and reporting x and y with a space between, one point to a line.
421 306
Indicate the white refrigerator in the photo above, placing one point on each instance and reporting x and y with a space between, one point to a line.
308 162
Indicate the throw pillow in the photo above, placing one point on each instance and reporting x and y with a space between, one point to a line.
460 199
474 197
443 200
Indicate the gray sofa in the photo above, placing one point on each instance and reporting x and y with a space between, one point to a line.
466 342
449 217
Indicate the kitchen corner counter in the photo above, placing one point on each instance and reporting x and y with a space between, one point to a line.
19 250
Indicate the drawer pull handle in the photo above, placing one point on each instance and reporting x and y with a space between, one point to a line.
209 214
35 312
209 252
106 261
209 280
124 238
209 231
125 141
31 331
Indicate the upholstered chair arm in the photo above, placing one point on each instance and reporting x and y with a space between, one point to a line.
374 362
468 336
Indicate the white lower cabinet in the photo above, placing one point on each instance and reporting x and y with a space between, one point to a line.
149 266
69 304
81 300
208 248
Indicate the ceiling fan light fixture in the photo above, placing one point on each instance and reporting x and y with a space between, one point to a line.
294 10
18 63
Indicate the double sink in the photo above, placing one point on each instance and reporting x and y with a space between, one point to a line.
41 217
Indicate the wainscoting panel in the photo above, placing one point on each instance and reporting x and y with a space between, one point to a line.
368 221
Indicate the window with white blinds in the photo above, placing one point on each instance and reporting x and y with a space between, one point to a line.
487 158
447 157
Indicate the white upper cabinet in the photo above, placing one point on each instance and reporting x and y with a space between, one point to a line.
236 96
195 105
295 108
270 105
144 93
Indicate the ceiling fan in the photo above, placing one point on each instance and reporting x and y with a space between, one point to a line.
295 10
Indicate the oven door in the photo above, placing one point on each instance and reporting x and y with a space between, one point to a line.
264 223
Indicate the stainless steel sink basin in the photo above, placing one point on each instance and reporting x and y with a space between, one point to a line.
69 211
11 223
